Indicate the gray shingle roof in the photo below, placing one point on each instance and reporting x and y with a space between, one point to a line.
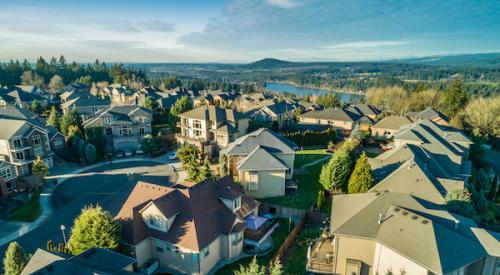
392 122
332 114
264 138
260 159
428 113
213 113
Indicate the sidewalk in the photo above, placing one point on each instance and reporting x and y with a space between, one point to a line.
13 230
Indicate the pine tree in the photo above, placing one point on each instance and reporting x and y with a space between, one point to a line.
40 168
36 107
94 227
361 179
205 171
54 118
70 118
335 173
15 259
252 269
275 268
455 97
223 165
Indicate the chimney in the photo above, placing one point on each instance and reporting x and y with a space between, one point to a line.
380 218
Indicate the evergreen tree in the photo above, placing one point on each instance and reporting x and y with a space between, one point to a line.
95 136
151 104
40 168
455 97
223 171
188 153
335 173
90 152
15 259
36 107
94 227
252 269
71 117
182 105
361 178
275 268
54 118
205 171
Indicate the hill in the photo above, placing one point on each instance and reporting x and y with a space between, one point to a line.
481 60
269 63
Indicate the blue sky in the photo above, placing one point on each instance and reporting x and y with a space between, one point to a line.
246 30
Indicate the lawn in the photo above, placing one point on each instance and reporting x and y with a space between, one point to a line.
28 212
307 192
279 236
307 156
297 260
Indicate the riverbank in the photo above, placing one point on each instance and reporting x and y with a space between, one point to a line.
326 89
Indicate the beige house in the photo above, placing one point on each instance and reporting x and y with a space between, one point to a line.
275 112
85 104
262 161
429 114
388 126
187 228
207 126
337 118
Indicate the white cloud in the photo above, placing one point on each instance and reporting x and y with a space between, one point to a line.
157 26
365 44
284 4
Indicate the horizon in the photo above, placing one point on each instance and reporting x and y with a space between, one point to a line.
240 32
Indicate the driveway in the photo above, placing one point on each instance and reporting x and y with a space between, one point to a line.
108 186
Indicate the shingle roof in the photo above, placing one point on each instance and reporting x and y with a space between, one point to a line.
201 217
213 113
392 122
260 159
121 113
14 95
419 230
428 113
264 138
332 114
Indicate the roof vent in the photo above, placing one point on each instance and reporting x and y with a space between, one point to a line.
414 217
397 209
425 221
405 213
380 218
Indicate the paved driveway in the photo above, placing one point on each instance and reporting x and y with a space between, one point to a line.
109 186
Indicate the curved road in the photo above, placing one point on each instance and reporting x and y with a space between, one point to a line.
108 185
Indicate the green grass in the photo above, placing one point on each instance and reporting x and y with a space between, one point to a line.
327 206
306 193
308 156
297 260
28 212
371 154
279 235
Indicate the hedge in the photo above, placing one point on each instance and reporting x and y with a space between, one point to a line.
312 138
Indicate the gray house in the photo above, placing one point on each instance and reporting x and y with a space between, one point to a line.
123 126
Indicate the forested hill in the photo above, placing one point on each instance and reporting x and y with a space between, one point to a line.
482 60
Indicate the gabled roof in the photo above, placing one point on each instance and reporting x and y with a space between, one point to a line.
264 138
120 113
279 108
201 218
419 230
16 112
15 94
86 101
392 122
213 113
365 109
428 113
260 159
332 114
11 128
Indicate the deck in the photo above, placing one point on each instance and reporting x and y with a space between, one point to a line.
321 257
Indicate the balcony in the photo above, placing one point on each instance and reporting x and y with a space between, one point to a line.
320 258
256 234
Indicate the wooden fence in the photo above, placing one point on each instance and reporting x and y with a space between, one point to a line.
289 240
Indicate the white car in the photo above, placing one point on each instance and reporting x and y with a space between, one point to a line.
128 152
172 155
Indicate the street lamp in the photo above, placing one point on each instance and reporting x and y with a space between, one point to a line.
63 234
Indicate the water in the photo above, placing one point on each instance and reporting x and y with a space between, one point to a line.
301 91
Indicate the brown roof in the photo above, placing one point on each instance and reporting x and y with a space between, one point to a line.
201 215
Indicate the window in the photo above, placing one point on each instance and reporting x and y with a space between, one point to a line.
37 140
94 109
155 221
141 131
19 155
107 120
236 238
237 203
17 143
109 131
205 252
253 181
38 151
125 130
159 246
6 173
11 186
197 133
197 124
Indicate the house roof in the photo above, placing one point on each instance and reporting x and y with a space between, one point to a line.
264 138
280 107
121 113
87 101
392 122
16 112
419 230
11 128
365 109
428 113
15 94
201 217
213 113
260 159
39 260
332 114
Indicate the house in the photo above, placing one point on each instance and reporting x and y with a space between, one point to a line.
341 119
430 114
262 161
123 127
206 126
276 112
187 228
381 232
23 95
119 94
8 176
85 104
92 261
253 101
388 126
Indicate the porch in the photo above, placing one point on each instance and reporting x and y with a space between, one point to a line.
320 258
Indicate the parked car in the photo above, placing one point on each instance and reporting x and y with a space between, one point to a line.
119 154
139 150
172 155
128 152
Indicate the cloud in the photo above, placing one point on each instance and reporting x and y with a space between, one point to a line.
284 4
157 26
364 45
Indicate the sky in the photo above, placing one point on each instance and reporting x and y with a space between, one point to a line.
240 31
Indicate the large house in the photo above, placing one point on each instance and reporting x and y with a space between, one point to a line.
262 161
22 95
85 104
8 176
187 228
388 126
123 127
276 112
119 94
210 125
429 114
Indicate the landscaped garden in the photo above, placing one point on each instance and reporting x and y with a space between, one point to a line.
279 235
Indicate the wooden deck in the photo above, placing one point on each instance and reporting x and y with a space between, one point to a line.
321 258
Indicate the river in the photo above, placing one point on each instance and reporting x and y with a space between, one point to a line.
301 91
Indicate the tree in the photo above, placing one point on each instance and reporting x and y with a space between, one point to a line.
54 119
31 78
205 171
148 144
95 136
73 131
86 80
335 173
361 179
482 116
151 104
392 100
275 268
36 107
71 117
15 259
455 97
94 227
90 152
321 199
40 168
188 153
56 82
460 201
223 171
252 269
182 105
330 100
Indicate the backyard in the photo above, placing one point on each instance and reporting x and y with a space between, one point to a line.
27 212
297 258
279 235
308 156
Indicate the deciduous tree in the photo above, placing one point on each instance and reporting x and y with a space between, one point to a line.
182 105
56 82
482 116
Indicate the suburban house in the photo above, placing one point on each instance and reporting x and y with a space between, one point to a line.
262 161
365 110
253 101
388 126
430 114
8 176
383 232
123 127
21 141
92 261
342 119
276 112
84 103
188 228
206 126
119 94
23 95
